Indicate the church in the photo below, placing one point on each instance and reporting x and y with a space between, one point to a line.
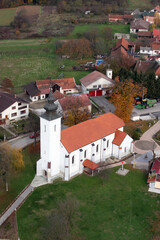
64 153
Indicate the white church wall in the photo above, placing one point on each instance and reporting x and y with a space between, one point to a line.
100 83
50 144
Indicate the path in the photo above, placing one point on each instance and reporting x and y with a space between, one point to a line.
16 203
103 103
147 137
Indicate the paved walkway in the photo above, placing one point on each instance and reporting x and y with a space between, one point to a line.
16 204
147 138
6 128
103 103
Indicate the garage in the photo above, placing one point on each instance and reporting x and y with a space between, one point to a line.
91 93
99 93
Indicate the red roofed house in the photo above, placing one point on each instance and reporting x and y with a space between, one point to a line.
66 103
123 49
139 25
120 18
156 32
96 83
154 177
39 90
63 153
12 108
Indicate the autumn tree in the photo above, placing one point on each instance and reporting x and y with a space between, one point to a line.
75 111
123 94
11 159
76 48
157 19
107 33
7 85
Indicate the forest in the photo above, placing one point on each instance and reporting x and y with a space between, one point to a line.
71 5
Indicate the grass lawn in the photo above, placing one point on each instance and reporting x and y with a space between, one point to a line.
121 209
7 15
82 28
24 61
2 132
142 5
18 180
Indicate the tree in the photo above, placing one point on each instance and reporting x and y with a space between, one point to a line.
123 94
107 33
75 112
7 85
61 222
76 48
104 175
11 159
34 124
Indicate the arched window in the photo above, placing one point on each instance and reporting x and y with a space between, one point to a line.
85 153
97 148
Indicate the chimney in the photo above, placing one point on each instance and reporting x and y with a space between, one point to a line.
109 73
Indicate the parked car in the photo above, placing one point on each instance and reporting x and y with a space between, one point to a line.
33 135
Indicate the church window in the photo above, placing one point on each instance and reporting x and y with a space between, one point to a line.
85 153
107 143
55 128
72 159
97 148
44 128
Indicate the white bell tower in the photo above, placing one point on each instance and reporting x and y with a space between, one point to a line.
50 133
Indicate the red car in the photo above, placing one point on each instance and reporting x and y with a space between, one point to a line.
33 135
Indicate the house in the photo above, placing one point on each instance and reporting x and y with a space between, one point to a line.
147 66
64 153
123 48
156 32
39 90
12 108
154 177
138 25
148 17
126 18
146 51
156 9
144 35
96 83
121 35
66 103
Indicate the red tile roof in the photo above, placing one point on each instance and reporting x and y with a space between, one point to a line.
89 131
151 179
122 42
81 100
58 95
156 166
65 83
155 46
89 164
119 137
94 76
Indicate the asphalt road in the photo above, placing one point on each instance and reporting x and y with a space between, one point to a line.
21 142
156 108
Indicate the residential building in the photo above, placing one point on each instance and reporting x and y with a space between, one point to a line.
39 90
144 35
121 35
138 25
154 177
126 18
147 66
66 103
123 48
148 17
97 84
12 108
63 153
156 32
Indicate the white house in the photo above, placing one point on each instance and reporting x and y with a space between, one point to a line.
39 90
12 107
96 83
63 153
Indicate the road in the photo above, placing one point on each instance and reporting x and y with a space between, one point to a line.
154 109
21 142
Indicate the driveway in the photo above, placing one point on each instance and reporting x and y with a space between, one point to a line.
103 103
146 143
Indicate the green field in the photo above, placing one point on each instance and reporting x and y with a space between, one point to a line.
24 61
82 28
28 60
142 5
7 15
122 209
